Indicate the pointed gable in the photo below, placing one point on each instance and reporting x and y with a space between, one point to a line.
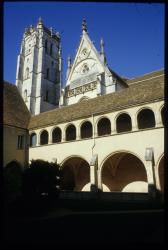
89 75
87 64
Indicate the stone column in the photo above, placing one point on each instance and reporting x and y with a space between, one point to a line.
93 171
113 126
149 157
63 135
158 119
38 139
99 179
49 137
134 122
78 136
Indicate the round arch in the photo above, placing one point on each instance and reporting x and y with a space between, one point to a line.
145 117
70 132
33 139
86 129
103 125
123 122
124 171
56 134
43 136
75 173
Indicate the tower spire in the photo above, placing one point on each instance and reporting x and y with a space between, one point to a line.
84 26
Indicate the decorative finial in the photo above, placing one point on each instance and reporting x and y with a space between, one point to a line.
84 27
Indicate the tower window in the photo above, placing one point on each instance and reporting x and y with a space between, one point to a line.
51 49
27 73
46 46
52 64
46 97
48 73
25 95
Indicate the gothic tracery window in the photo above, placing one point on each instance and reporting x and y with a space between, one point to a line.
85 68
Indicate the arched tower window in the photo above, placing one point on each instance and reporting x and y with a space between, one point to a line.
46 44
27 73
25 95
33 140
46 96
56 135
51 49
70 133
123 123
86 130
48 73
44 138
146 119
104 127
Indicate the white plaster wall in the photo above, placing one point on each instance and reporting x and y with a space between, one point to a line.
133 142
10 150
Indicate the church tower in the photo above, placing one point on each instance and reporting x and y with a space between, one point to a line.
39 68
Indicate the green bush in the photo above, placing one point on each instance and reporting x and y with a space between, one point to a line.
41 177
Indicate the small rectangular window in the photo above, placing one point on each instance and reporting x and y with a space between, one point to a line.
20 143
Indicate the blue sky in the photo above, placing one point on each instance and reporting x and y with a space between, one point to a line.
133 33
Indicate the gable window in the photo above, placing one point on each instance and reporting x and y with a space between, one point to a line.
20 142
85 68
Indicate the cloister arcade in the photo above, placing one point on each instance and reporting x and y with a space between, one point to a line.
117 170
123 122
124 171
76 173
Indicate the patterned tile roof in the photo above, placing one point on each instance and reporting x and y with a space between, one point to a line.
15 112
141 92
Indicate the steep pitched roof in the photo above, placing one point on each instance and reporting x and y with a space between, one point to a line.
138 93
15 112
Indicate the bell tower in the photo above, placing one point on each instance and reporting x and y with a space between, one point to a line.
39 68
